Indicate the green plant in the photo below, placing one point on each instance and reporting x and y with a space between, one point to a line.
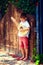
37 62
41 58
34 54
36 57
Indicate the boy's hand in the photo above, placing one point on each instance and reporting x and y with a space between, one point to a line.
24 30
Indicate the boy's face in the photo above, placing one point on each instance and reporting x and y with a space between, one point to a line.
23 19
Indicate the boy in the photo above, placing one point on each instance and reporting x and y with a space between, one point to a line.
23 34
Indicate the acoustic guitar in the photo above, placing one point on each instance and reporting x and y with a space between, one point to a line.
22 30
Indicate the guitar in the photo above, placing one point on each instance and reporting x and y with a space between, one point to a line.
22 30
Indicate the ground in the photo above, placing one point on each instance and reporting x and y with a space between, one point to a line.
6 59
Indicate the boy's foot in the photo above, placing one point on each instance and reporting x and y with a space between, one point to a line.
18 58
21 58
25 59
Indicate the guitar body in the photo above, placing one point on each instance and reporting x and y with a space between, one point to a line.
23 31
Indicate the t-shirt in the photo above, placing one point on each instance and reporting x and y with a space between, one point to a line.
23 25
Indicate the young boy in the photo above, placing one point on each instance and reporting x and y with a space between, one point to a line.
23 34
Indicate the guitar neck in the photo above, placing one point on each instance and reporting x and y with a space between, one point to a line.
14 21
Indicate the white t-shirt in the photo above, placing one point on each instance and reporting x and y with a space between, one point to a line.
24 25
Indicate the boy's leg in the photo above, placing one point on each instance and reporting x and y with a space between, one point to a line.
26 48
21 46
26 54
22 51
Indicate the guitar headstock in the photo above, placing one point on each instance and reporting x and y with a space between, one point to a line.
13 19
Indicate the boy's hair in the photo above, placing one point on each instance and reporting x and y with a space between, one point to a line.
23 15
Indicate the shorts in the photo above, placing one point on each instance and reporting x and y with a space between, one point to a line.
23 42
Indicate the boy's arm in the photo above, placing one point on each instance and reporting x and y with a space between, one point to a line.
14 20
